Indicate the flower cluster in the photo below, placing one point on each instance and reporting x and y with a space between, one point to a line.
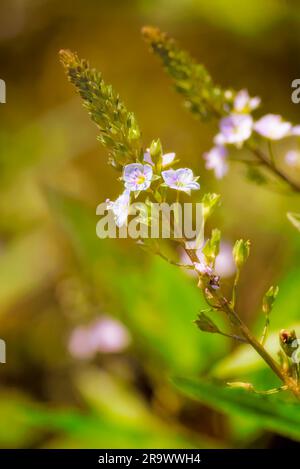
138 177
237 127
151 172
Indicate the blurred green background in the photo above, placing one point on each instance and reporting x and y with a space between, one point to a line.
56 276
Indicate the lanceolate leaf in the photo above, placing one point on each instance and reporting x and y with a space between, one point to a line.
269 412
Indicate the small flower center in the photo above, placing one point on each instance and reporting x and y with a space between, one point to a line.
140 179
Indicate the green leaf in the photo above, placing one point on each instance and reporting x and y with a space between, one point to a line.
269 412
206 324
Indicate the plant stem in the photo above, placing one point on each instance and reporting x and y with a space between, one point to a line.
226 307
269 164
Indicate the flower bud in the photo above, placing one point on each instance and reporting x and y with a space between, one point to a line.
156 151
209 202
241 251
212 247
206 324
288 341
269 299
241 385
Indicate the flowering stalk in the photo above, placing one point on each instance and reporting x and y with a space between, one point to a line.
151 172
233 109
119 131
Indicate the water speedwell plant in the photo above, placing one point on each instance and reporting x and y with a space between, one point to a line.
235 113
150 174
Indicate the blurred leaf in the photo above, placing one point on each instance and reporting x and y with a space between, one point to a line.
94 431
270 412
25 265
14 430
162 305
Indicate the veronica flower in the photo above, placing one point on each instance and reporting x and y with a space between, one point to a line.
224 265
244 103
234 129
104 335
181 179
272 126
167 158
120 208
137 176
292 158
203 268
296 130
216 160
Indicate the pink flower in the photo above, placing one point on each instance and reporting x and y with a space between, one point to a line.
120 208
104 335
224 265
296 130
167 158
243 102
137 176
203 268
216 159
234 129
292 158
273 127
181 179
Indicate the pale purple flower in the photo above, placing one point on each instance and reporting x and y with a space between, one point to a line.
108 335
203 268
181 179
167 158
137 176
273 127
104 335
216 159
234 129
224 264
292 158
244 103
120 208
296 130
79 344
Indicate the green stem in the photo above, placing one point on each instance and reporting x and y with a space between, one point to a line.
226 307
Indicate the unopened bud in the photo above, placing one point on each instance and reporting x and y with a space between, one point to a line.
212 247
156 150
269 299
209 202
288 341
241 251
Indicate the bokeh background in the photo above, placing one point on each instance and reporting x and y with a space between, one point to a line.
61 288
